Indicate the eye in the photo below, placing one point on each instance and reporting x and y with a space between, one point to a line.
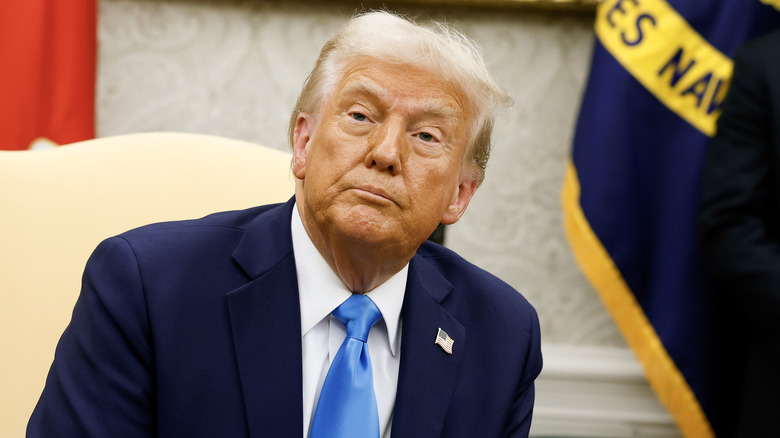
426 136
360 117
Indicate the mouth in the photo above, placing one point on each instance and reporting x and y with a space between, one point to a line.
375 193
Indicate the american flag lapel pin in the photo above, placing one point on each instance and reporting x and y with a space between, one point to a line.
444 341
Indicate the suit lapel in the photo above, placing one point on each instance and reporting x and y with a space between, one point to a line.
265 321
427 373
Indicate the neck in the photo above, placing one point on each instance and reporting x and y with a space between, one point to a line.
362 266
362 269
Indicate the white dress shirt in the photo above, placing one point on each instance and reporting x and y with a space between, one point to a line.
321 291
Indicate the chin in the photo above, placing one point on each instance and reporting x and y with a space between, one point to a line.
366 231
372 226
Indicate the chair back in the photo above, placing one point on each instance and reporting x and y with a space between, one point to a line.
56 205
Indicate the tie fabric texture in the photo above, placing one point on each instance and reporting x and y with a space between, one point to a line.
347 405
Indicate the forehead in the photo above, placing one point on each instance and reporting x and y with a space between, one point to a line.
425 91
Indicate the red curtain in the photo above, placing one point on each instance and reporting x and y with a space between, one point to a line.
48 50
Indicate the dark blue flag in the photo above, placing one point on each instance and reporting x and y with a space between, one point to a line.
659 72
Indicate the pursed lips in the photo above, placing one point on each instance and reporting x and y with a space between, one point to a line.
376 191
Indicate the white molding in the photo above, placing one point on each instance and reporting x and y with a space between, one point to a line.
596 392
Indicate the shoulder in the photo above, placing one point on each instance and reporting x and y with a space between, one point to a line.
761 52
476 286
215 225
196 241
763 44
236 219
499 320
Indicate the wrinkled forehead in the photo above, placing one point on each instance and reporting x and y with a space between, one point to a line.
389 83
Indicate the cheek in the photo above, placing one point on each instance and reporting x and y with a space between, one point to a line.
339 145
433 187
329 161
439 172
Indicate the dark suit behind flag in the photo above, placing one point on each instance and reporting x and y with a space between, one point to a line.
47 80
659 72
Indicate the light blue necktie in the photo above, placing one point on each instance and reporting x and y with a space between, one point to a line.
347 405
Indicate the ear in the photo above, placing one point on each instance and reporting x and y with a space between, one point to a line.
460 200
304 129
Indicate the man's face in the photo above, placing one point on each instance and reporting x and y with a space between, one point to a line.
380 161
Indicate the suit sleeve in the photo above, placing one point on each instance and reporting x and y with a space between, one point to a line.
101 381
735 217
521 412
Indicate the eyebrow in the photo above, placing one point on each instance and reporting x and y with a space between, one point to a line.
434 107
363 87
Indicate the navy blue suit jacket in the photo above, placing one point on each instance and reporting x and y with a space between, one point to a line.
192 328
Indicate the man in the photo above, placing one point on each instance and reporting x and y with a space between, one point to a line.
228 325
740 227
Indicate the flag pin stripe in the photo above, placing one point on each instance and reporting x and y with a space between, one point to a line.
444 341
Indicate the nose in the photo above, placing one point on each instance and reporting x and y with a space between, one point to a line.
388 147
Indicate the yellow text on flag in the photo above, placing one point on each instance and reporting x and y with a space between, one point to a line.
668 57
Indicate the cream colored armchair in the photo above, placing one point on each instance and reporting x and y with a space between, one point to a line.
57 205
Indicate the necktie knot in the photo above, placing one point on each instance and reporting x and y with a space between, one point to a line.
359 314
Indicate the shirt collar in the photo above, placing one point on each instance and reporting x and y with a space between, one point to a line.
320 290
